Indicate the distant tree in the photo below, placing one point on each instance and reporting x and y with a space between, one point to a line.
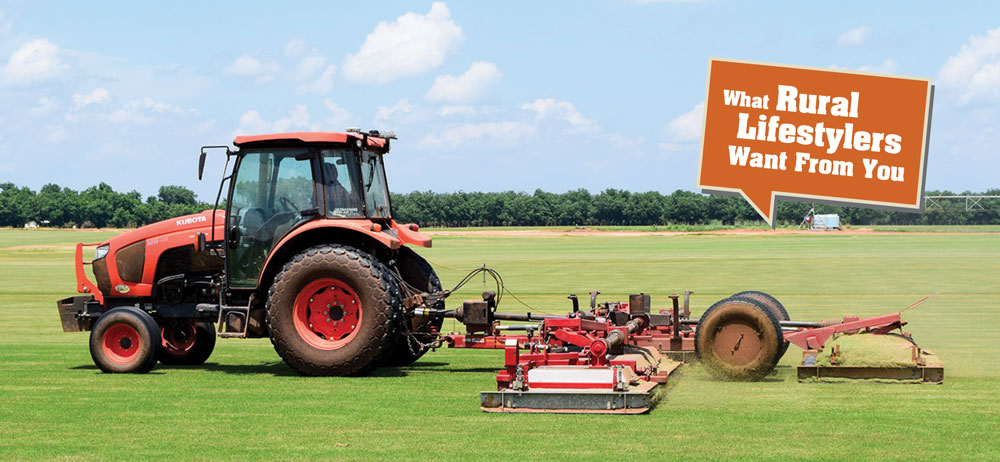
685 207
177 195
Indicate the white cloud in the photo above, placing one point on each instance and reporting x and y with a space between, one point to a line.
45 106
298 118
304 65
309 66
263 70
466 134
55 134
885 67
549 108
252 122
412 44
322 84
650 2
460 110
856 36
98 96
467 87
383 113
311 69
146 110
295 48
975 69
35 61
687 127
338 115
244 65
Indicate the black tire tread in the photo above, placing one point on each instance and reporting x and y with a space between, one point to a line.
378 283
146 327
774 305
753 375
419 273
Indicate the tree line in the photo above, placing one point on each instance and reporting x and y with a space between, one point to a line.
95 207
101 206
623 208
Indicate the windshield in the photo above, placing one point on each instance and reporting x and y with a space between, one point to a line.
376 192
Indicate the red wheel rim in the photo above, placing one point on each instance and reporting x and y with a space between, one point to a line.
121 343
178 339
327 314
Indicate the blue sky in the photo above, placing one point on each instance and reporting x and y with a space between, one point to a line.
483 96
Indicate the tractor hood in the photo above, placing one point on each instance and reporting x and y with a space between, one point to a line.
201 221
125 265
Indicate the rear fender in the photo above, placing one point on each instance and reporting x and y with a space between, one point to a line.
410 234
333 231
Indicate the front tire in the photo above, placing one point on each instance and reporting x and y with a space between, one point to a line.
330 310
124 341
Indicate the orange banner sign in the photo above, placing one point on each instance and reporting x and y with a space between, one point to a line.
831 136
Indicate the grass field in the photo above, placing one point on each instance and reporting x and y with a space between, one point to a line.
246 404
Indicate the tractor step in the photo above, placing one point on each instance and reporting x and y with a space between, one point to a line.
233 321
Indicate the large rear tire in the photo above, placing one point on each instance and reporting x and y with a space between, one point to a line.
417 272
738 338
774 306
125 340
186 343
331 310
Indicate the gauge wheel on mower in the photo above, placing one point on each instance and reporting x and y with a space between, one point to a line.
332 310
125 340
738 338
417 272
774 306
186 343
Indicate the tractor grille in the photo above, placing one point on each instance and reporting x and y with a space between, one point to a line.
101 274
130 260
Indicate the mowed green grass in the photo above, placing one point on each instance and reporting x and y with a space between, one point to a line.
246 404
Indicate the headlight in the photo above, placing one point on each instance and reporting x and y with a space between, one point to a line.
101 252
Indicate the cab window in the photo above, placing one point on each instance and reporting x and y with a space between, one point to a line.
340 180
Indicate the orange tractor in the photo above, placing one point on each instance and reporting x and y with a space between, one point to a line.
306 252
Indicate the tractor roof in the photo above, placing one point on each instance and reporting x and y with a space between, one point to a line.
306 137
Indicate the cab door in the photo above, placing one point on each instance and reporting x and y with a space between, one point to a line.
271 192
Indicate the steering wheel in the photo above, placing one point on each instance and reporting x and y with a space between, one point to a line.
287 204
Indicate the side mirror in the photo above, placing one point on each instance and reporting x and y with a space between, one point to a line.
201 159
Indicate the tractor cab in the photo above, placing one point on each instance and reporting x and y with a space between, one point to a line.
280 182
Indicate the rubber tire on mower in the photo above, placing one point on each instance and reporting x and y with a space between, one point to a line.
417 272
125 340
176 351
348 278
772 304
725 319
